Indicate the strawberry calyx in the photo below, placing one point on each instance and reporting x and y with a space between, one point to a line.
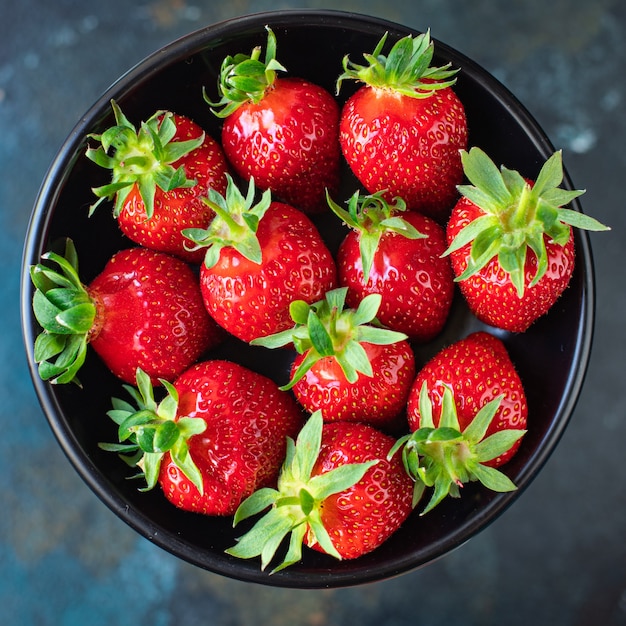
141 157
245 78
371 216
66 313
147 430
295 506
234 225
446 457
328 329
406 69
517 215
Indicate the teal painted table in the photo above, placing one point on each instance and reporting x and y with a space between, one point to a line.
558 556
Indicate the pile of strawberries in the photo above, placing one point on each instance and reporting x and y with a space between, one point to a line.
226 245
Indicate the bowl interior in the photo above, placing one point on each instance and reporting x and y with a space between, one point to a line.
311 44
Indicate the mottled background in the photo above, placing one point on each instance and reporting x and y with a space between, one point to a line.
558 556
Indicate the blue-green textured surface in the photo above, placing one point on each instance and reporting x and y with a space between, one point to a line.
558 556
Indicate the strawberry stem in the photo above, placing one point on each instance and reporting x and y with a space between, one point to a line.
245 78
234 226
328 329
295 506
518 215
147 430
407 69
66 313
445 458
371 216
141 157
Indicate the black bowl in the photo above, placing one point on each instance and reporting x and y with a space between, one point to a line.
551 357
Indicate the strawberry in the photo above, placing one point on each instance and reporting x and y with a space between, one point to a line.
283 132
337 494
217 436
144 309
160 174
467 411
402 130
511 241
259 258
346 366
397 254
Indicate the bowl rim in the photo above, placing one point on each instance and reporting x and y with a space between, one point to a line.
51 186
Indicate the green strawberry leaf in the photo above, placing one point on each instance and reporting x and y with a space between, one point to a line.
147 430
448 417
299 311
133 423
295 507
141 157
182 459
165 437
333 331
378 335
517 216
353 360
234 226
493 479
471 231
256 503
48 346
367 309
551 173
338 479
443 458
78 319
305 452
311 357
477 428
266 535
580 220
319 336
245 78
151 462
294 553
483 173
406 69
371 216
66 313
497 444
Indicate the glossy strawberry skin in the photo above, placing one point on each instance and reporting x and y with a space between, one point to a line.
248 420
182 207
362 517
407 146
416 283
149 314
288 142
252 300
478 368
490 294
378 400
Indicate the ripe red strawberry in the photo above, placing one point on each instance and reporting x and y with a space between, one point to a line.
510 241
160 175
143 310
219 434
402 130
337 493
347 367
478 369
398 255
259 258
467 411
283 132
